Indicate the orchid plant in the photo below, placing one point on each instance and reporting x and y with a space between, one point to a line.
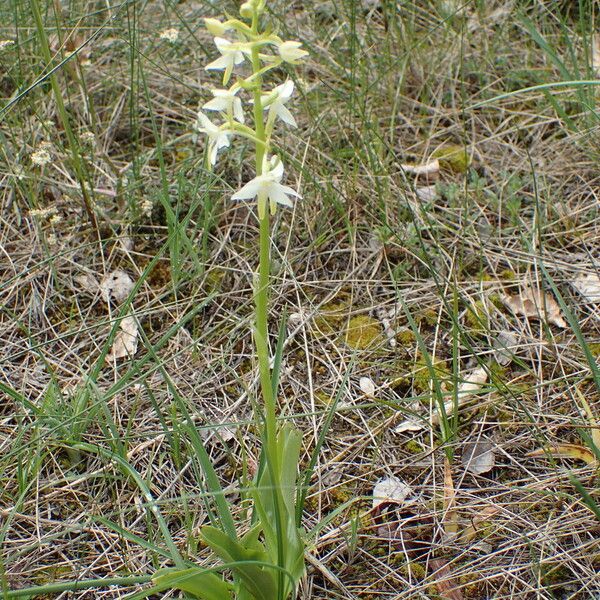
267 561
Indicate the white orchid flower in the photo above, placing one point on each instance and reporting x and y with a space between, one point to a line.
215 27
267 186
217 137
231 55
226 101
275 101
290 52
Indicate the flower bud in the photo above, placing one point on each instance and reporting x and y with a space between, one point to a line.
247 9
215 27
290 52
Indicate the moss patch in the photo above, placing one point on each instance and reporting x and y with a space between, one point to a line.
363 332
452 157
422 374
476 318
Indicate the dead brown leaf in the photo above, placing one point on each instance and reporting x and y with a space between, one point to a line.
87 283
588 285
450 512
117 285
126 340
574 451
445 582
596 54
478 456
533 303
390 490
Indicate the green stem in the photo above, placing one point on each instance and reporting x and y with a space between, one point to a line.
261 297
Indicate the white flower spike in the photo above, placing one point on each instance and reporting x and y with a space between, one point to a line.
276 99
268 186
217 138
290 52
226 101
231 55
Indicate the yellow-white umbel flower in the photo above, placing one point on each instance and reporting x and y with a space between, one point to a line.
268 187
226 101
41 157
217 137
170 35
231 55
290 52
275 101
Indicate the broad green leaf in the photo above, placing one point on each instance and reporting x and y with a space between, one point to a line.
203 584
275 505
259 581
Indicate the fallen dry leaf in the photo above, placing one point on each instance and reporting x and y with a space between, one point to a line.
410 425
87 283
445 582
533 303
505 345
473 381
390 489
478 456
430 168
596 54
574 451
427 193
588 285
450 512
117 285
126 340
367 386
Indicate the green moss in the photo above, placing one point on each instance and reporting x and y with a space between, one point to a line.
496 300
331 317
413 447
452 157
363 332
406 338
472 586
476 317
594 349
322 398
508 275
340 495
428 316
51 574
553 573
498 372
214 279
422 374
411 570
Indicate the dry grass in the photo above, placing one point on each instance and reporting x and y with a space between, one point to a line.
384 87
